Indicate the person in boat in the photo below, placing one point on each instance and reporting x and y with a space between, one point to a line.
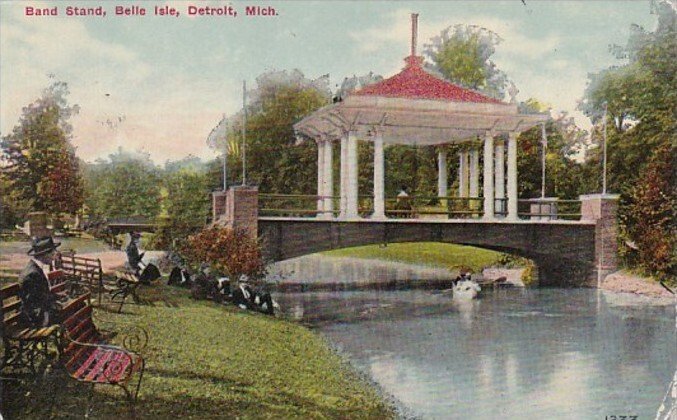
246 297
465 287
39 306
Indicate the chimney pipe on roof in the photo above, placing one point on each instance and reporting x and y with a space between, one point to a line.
414 33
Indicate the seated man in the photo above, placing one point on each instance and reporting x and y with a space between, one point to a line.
246 297
39 304
132 250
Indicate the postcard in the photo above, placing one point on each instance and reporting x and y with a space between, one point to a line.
337 209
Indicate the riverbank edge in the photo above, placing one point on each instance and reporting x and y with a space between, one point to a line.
625 281
400 410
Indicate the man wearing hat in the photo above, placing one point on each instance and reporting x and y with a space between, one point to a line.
39 304
132 250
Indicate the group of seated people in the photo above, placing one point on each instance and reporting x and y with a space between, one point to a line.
204 285
41 307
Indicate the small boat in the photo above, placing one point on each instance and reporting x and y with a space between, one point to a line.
465 288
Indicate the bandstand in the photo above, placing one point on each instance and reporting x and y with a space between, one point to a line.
415 107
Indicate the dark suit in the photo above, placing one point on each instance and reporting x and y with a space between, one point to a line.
36 298
133 256
245 295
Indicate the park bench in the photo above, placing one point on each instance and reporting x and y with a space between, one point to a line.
126 284
83 272
24 347
88 357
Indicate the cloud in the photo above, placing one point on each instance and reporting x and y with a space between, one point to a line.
151 107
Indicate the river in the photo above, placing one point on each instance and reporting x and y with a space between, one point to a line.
514 353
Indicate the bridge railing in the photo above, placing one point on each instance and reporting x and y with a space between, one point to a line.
294 205
549 209
419 207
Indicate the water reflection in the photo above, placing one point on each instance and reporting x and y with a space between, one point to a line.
516 353
318 271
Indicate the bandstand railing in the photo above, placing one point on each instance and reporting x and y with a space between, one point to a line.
418 207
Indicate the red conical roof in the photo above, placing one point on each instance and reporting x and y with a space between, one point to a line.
415 83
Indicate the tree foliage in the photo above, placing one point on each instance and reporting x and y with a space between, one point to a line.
186 205
127 184
641 97
650 213
40 170
274 159
461 53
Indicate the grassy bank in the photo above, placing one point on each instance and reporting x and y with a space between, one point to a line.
433 254
206 360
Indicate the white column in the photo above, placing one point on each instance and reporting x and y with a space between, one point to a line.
379 178
488 176
320 177
352 187
328 180
463 174
344 175
512 176
442 173
474 156
499 169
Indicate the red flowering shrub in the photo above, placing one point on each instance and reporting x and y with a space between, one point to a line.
228 251
648 219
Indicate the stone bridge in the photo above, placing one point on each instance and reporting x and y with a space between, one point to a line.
566 253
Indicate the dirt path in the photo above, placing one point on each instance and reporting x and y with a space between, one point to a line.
110 260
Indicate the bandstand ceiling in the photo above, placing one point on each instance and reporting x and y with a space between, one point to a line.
414 121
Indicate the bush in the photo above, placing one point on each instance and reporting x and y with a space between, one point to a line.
648 218
231 252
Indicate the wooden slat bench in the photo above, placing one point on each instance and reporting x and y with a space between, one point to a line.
24 346
88 358
83 271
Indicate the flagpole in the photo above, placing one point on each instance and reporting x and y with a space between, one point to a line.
544 145
244 132
225 158
604 152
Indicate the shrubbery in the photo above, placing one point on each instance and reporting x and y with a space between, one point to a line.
648 218
230 252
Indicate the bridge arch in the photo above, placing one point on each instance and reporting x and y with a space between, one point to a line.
564 252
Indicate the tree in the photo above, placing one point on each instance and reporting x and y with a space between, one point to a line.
128 184
185 207
39 164
648 217
279 100
462 54
641 99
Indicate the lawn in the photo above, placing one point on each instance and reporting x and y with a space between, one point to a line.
432 254
206 360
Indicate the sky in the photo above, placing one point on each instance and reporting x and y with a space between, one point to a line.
160 84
